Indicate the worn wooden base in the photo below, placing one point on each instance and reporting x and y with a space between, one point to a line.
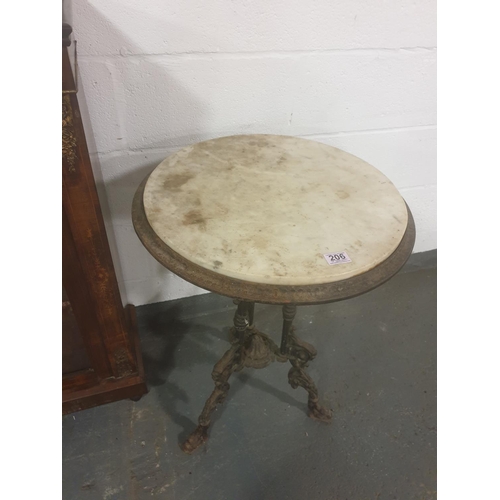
89 392
253 349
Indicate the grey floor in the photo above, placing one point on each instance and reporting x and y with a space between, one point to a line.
376 368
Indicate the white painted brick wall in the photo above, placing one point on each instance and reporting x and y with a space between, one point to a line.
159 74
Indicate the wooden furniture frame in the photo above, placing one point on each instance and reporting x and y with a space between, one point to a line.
101 353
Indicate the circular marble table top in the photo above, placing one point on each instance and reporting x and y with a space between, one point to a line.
264 210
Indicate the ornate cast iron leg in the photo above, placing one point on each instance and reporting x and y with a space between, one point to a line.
243 319
299 354
251 308
228 364
253 349
289 311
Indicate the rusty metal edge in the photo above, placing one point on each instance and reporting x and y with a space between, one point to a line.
266 293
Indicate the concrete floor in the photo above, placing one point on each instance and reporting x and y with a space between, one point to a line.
376 368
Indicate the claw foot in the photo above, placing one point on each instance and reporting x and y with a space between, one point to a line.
198 437
320 413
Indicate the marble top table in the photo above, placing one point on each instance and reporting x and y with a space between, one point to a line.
272 219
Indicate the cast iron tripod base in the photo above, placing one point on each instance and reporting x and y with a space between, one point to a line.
253 349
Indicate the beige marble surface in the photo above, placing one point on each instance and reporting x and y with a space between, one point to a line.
266 209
